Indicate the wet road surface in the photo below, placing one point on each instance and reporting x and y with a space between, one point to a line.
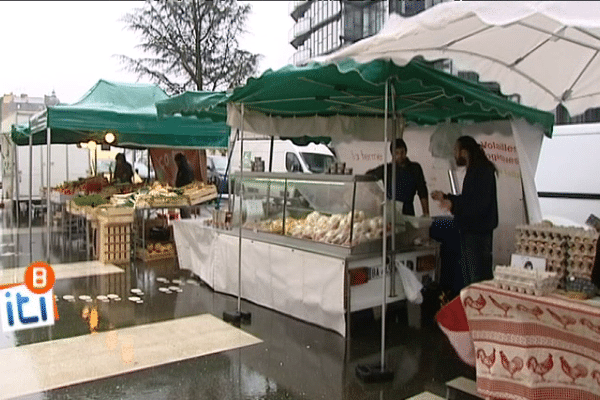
295 360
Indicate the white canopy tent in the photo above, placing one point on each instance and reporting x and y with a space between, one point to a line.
547 52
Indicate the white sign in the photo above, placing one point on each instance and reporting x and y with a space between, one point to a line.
528 262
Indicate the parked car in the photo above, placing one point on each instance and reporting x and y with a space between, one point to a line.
217 167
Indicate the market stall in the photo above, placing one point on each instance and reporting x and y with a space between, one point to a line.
532 332
344 101
126 113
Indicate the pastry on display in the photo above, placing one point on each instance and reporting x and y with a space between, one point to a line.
333 229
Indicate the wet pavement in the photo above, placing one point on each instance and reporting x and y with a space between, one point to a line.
295 360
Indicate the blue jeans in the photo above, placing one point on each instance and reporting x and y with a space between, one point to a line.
476 256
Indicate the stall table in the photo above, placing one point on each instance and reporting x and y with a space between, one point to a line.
528 347
301 278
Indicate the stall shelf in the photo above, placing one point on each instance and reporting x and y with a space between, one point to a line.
142 217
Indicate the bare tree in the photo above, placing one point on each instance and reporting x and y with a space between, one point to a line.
191 44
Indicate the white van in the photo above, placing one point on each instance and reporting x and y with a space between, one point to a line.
287 157
567 177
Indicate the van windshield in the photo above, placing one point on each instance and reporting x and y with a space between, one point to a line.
317 163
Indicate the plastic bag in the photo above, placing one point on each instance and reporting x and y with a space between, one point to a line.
412 286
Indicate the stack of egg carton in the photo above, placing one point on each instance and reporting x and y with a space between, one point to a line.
569 251
543 240
521 280
581 245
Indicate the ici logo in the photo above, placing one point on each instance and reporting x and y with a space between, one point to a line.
25 305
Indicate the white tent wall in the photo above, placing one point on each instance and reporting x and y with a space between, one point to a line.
499 141
338 127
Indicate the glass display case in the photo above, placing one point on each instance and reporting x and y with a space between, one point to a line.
337 210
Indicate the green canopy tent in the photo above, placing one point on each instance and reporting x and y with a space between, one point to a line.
352 101
126 110
326 99
199 104
129 111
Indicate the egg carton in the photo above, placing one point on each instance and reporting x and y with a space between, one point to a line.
525 281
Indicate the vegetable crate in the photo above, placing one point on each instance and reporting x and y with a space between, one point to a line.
113 241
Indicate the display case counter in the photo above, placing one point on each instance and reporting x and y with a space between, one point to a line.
311 281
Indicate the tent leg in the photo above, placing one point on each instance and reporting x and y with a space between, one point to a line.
48 210
30 208
378 372
239 316
16 187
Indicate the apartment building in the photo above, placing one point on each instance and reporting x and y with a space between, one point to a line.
324 26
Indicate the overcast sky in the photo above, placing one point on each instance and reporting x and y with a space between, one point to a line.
68 46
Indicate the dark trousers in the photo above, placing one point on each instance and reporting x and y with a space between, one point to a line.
476 256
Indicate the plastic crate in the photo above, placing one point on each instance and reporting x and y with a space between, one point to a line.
113 241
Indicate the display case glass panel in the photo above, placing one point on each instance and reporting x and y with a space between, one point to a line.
339 210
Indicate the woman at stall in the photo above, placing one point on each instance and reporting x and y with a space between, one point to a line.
185 176
123 170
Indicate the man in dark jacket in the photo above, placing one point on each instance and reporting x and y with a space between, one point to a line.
185 175
409 180
475 210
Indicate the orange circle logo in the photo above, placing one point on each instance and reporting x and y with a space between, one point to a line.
39 277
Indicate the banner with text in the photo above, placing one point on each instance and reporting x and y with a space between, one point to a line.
163 161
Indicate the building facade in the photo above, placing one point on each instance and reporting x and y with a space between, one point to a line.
324 26
16 110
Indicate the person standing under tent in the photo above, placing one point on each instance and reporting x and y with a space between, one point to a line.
475 210
409 180
185 176
123 170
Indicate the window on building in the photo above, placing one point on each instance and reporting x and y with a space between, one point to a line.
413 7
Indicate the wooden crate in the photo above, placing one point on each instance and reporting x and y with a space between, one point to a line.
145 256
113 241
157 202
199 196
115 214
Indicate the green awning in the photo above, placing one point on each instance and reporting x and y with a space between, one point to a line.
422 95
199 104
129 111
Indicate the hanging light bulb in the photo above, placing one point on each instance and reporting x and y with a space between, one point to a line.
109 137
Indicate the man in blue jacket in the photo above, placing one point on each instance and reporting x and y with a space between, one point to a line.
475 210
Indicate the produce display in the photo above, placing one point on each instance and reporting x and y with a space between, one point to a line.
334 229
164 195
160 248
92 200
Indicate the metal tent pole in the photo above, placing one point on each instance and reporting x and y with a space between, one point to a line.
239 299
67 161
384 251
48 216
16 186
238 316
379 373
394 210
30 209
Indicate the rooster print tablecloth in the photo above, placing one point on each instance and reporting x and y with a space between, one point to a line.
529 347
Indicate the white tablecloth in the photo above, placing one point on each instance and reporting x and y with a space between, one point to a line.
299 283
